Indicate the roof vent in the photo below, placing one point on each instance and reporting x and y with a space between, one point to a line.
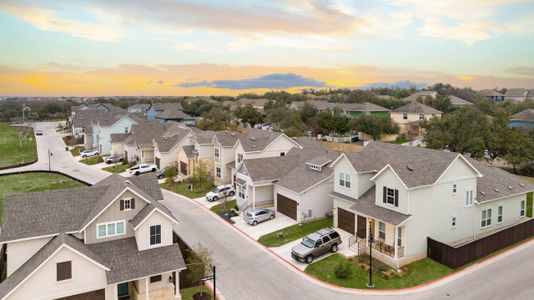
521 184
510 187
128 181
253 146
410 168
232 134
483 193
253 138
496 189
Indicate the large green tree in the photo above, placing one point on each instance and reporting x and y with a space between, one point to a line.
249 114
374 126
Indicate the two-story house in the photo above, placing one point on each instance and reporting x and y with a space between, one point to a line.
404 195
413 113
107 241
224 156
168 144
102 129
190 157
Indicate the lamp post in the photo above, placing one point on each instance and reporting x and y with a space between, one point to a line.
371 241
49 156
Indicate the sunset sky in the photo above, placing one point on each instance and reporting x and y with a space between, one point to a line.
201 47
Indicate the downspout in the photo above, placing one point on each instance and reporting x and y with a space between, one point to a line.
474 218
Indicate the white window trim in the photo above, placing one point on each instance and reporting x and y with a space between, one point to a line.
111 235
239 157
399 237
343 177
160 236
454 188
385 230
454 221
486 220
217 152
500 215
522 208
220 172
469 191
387 197
129 203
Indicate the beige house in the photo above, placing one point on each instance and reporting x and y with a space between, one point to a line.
108 241
190 157
168 145
404 195
412 113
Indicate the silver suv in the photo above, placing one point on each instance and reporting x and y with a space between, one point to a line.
316 244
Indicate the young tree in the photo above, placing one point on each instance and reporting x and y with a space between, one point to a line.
199 262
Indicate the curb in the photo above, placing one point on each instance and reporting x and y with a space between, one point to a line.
404 291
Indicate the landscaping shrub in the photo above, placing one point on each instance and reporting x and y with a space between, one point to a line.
343 270
169 181
170 172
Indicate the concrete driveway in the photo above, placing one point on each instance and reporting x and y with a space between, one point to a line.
284 251
281 221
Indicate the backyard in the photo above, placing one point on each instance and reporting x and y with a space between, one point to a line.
13 151
355 272
33 182
291 233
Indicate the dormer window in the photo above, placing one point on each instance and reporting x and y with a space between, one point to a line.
239 157
344 180
216 152
390 196
155 235
315 167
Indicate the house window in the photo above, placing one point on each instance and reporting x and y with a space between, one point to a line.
522 209
110 229
382 230
64 270
239 157
399 237
155 235
499 213
127 204
405 116
241 191
454 188
468 198
282 154
344 180
125 129
156 278
390 196
216 152
421 117
453 221
486 218
218 172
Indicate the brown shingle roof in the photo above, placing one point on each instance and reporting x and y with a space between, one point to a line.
416 107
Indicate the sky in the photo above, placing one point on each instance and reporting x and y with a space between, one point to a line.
230 47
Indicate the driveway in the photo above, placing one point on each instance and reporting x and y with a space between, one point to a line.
284 251
281 221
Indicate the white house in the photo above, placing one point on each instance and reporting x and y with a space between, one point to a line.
404 195
104 127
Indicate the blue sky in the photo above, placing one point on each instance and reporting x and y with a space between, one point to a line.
193 47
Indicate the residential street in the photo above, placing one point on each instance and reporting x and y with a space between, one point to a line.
246 271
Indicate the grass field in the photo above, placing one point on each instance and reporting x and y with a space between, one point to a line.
33 182
12 152
187 294
219 208
416 273
181 188
119 168
291 233
93 160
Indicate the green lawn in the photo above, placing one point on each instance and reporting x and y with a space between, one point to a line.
93 160
181 188
187 294
414 274
220 207
33 182
76 150
291 233
12 152
118 168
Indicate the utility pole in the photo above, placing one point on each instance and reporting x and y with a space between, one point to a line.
371 240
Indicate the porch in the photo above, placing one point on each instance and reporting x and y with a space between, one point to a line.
159 287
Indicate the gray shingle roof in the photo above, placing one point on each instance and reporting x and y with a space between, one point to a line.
366 205
417 107
173 114
516 92
413 97
171 137
189 151
492 93
205 137
227 138
457 101
257 139
525 115
43 254
164 106
324 105
119 137
127 263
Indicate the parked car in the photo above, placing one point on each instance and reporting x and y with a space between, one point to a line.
160 174
142 168
38 132
113 159
221 191
258 215
316 244
88 153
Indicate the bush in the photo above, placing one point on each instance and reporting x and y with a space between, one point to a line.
343 270
169 181
170 172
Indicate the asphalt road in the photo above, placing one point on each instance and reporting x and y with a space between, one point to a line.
246 271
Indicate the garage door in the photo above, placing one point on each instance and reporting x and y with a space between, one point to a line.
158 163
183 168
345 220
286 206
94 295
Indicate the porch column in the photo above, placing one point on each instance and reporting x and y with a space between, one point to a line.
395 236
146 288
367 231
253 196
176 282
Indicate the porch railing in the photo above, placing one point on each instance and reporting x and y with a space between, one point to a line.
384 248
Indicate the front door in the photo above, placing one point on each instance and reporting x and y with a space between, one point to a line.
362 226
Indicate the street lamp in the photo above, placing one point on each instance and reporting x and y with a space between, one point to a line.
371 241
50 154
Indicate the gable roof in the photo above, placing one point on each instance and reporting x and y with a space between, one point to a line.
149 210
366 205
189 151
516 92
257 139
173 114
226 138
457 101
525 115
490 93
416 107
69 210
171 137
44 254
324 105
413 97
205 137
161 106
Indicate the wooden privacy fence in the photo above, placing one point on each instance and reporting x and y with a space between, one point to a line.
455 257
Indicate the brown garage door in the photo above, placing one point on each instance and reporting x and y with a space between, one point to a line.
345 220
94 295
286 206
157 163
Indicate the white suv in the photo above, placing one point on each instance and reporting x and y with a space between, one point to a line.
142 168
87 153
221 191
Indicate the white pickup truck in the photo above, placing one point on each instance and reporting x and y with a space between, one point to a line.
142 168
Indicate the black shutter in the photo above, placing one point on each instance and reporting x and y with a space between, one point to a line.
397 198
384 194
63 270
132 203
122 205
